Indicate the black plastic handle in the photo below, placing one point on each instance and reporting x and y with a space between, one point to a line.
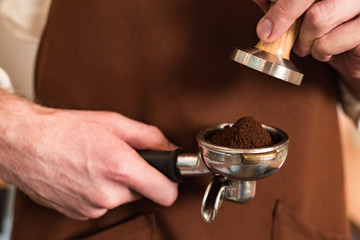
165 162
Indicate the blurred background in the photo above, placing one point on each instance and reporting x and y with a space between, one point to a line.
350 143
21 24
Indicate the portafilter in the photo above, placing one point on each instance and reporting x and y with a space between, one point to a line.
235 170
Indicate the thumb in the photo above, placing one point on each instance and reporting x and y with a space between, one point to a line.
280 17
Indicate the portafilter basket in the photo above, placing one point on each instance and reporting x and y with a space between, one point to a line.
236 169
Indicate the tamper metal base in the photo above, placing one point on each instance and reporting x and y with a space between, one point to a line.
268 63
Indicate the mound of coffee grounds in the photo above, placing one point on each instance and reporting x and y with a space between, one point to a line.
246 132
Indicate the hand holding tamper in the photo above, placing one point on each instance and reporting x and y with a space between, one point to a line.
272 58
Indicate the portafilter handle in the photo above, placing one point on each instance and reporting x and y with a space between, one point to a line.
176 164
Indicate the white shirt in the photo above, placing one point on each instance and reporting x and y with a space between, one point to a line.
26 20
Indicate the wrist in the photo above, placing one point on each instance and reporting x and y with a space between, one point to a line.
17 123
14 109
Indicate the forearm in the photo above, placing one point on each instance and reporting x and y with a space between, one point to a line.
15 118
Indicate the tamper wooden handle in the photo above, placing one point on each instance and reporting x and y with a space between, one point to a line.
282 46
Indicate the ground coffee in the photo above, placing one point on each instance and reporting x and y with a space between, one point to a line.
246 132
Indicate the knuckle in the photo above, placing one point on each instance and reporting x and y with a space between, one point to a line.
119 175
155 133
112 117
105 201
320 51
110 202
153 130
301 47
280 10
316 17
320 46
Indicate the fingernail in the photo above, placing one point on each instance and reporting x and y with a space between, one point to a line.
264 28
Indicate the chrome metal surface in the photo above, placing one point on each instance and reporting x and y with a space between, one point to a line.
213 198
240 191
191 164
243 164
268 63
236 170
221 189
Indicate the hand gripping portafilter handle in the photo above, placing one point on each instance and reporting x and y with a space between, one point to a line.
165 162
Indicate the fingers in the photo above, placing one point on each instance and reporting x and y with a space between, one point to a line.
341 39
87 168
280 17
126 165
144 136
134 172
87 205
111 194
321 18
78 213
136 134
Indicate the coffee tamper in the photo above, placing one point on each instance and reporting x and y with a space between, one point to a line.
272 58
235 170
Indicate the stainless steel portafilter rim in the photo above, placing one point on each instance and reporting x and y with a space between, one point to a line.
243 164
203 135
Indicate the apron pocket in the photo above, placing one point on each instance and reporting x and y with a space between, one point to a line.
288 225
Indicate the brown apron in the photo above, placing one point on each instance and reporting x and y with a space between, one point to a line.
165 62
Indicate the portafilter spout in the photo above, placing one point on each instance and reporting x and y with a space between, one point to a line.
236 170
220 189
272 58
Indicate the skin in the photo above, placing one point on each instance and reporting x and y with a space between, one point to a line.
330 32
80 163
83 163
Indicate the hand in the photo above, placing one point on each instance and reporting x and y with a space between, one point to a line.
330 32
81 163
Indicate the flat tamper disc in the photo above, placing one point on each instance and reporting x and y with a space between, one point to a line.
268 63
